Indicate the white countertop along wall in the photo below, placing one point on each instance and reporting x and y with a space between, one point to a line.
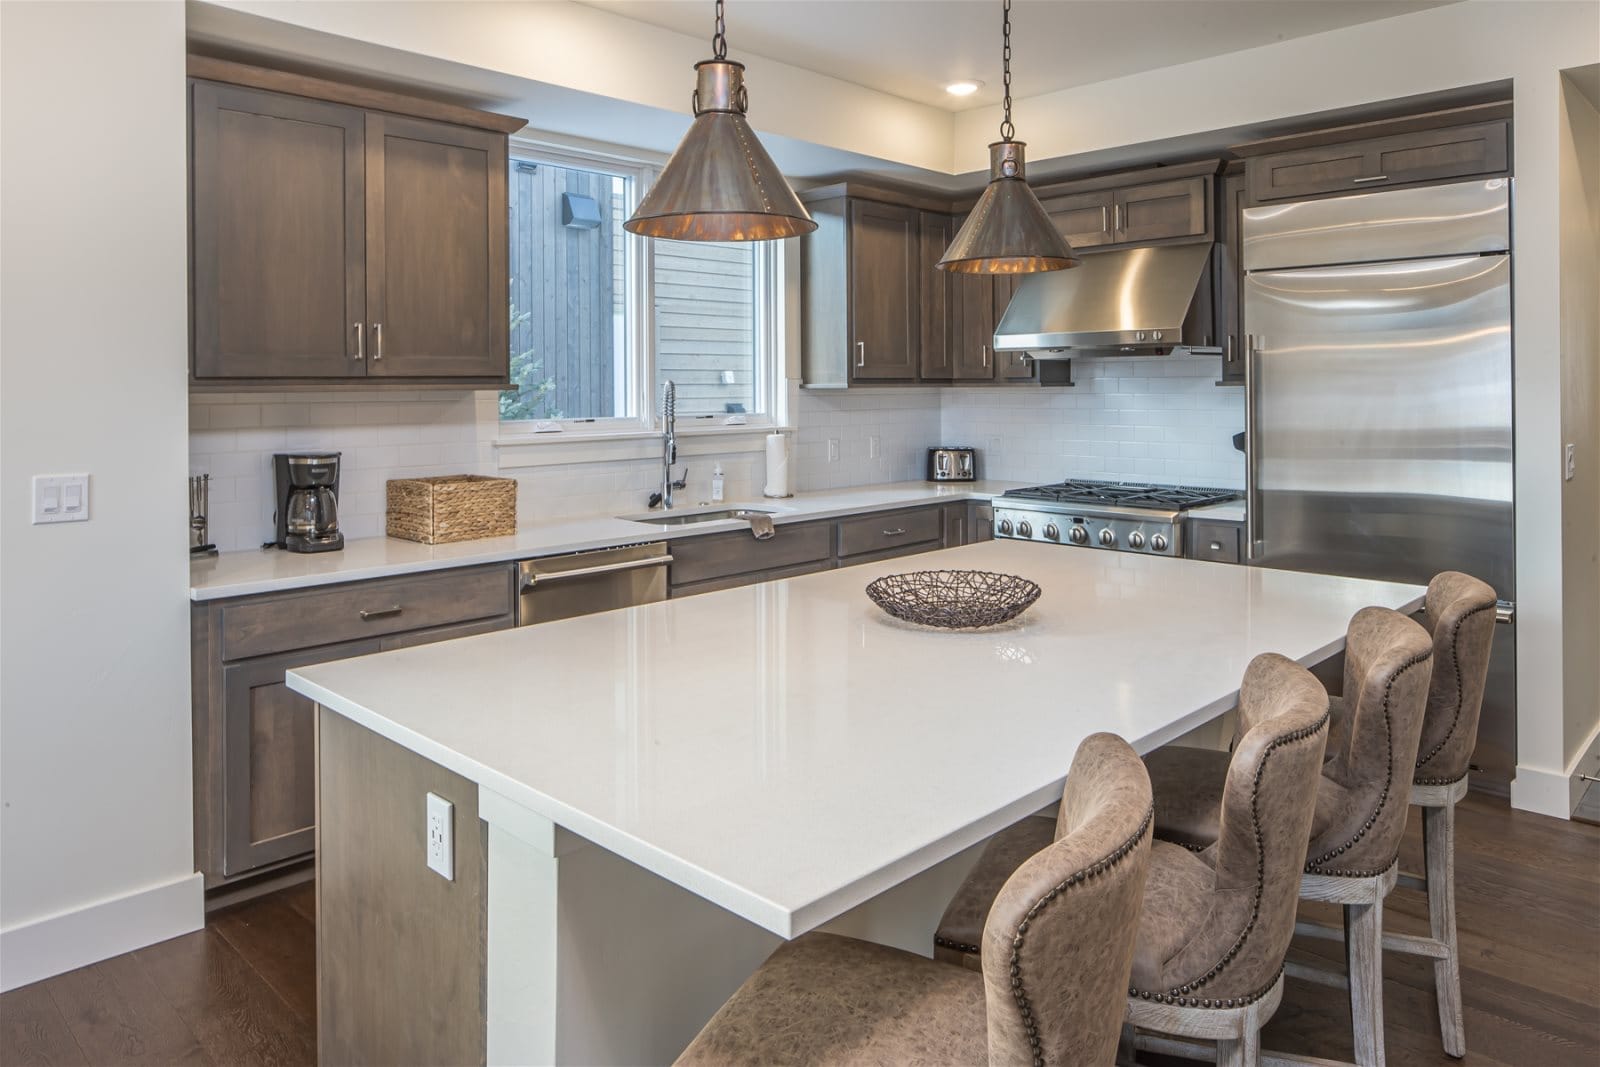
266 571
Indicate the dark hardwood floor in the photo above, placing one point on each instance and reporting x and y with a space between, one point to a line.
243 990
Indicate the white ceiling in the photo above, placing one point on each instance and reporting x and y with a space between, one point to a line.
913 48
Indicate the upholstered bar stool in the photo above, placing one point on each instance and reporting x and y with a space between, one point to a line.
1056 955
1215 925
1361 800
1460 613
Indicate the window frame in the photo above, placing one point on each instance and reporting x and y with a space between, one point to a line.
641 350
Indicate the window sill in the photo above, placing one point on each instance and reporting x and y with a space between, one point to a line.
552 449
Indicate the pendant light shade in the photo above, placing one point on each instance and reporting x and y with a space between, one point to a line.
720 184
1008 231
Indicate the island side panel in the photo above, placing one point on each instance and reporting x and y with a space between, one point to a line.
400 949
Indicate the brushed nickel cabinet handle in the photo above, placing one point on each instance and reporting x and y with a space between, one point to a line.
361 349
861 353
1103 227
897 532
381 613
1374 178
377 340
1116 217
985 355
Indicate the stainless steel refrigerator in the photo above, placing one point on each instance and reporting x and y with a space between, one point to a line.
1378 399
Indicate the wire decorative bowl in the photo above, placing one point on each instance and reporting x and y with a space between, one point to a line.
954 600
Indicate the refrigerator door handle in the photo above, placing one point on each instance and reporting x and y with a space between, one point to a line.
1252 533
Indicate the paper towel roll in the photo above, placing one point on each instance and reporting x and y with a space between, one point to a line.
777 465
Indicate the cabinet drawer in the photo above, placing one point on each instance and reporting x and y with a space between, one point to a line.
364 609
1361 166
889 530
699 559
1214 541
734 581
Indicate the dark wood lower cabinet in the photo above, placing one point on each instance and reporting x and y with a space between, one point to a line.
269 765
255 739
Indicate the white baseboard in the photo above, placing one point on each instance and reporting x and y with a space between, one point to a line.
77 938
1556 793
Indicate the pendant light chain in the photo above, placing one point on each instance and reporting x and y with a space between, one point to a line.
1007 131
719 40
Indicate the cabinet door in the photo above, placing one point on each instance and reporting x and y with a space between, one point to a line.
1084 219
1160 210
884 266
269 759
1361 166
277 262
980 522
934 286
1013 366
438 303
972 327
1226 270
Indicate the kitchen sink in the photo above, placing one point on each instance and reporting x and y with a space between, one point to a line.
687 518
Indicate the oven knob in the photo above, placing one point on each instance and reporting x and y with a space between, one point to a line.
1079 535
1052 532
1136 540
1005 527
1107 537
1025 528
1158 543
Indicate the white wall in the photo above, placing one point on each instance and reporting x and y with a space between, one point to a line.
1463 44
96 853
1149 419
1580 420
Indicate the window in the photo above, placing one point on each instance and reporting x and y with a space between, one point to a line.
601 319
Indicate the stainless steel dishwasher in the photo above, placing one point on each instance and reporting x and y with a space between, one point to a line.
580 583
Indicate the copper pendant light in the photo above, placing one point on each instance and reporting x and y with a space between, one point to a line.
1008 231
720 185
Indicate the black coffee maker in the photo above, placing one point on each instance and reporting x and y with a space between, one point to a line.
307 501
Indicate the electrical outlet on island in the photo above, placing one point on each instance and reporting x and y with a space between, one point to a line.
441 837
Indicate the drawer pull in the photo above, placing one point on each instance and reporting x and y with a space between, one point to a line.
1216 546
1374 178
898 531
382 613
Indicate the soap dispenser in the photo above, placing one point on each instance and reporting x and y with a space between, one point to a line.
716 484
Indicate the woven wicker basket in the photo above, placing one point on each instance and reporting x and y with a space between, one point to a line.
452 507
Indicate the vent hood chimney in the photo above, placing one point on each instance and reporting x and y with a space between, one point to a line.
1131 302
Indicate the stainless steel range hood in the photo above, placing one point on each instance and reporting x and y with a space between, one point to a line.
1131 302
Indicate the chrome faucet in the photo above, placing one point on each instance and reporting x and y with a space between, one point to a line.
669 449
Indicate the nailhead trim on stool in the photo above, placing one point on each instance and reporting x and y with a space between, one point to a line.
1097 868
1455 637
1179 995
1315 866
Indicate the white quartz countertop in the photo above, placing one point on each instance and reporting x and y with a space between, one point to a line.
787 751
269 570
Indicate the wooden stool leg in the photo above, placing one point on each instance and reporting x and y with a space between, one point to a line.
1439 846
1363 946
1233 1054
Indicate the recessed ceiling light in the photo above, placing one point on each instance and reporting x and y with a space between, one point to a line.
965 88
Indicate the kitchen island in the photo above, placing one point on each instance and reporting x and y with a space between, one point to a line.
647 800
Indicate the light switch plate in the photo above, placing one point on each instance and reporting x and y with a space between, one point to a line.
1569 465
441 837
60 498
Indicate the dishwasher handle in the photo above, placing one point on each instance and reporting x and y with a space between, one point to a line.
603 568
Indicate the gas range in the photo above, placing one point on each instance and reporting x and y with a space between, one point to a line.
1121 516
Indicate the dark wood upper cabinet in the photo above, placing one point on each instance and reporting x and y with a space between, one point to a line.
335 242
936 231
1161 211
1468 142
1084 219
278 235
885 287
972 322
1227 277
1009 366
436 281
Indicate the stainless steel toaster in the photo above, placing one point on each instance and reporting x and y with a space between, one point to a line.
952 464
